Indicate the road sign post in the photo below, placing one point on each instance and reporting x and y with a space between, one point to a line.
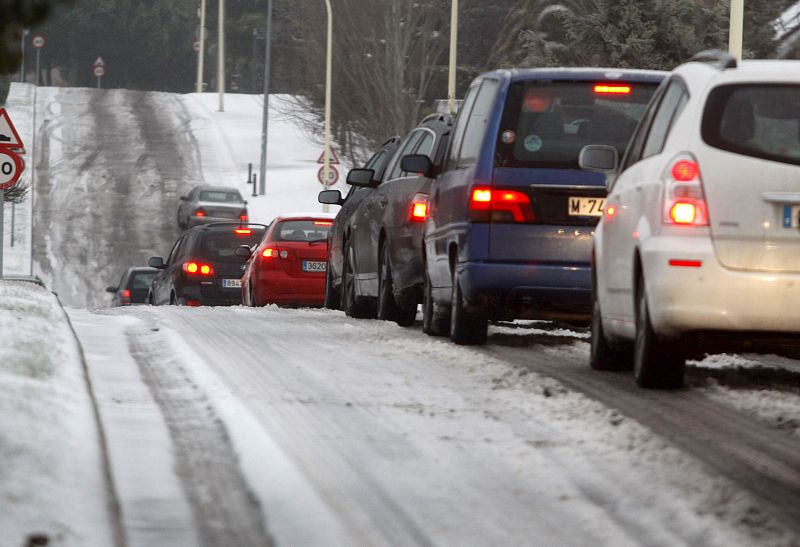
99 69
38 43
11 167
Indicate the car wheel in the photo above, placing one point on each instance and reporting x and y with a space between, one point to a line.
150 299
467 327
173 300
388 309
434 320
658 363
604 356
332 296
252 296
352 305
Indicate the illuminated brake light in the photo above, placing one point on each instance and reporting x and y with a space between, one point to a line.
126 293
197 268
199 213
681 263
323 223
243 217
243 231
269 252
610 89
684 198
419 208
501 205
611 211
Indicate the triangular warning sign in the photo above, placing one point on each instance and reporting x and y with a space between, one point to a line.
9 138
334 160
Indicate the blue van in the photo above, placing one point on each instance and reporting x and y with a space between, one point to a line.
511 216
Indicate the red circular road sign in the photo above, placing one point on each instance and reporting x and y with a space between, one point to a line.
11 167
99 70
38 41
333 176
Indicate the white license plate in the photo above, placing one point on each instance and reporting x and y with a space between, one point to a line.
585 207
231 283
309 266
791 216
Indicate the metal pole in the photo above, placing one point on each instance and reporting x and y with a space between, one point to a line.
2 226
98 82
13 220
38 54
328 74
736 28
265 114
221 58
451 77
22 61
201 54
255 183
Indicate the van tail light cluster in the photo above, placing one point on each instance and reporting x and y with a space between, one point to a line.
419 208
200 212
488 204
684 199
199 269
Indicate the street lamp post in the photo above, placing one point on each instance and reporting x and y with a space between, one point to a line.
202 52
265 115
326 161
221 57
736 28
451 80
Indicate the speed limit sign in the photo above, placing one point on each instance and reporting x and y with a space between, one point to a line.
11 168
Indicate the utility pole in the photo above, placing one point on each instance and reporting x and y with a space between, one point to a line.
22 61
221 58
736 28
201 54
265 115
326 162
451 80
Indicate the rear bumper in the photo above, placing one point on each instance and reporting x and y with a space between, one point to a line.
280 288
212 295
546 290
712 297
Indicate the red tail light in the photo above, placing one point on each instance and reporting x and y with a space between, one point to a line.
200 213
198 268
499 205
243 231
243 216
126 293
419 208
684 199
269 252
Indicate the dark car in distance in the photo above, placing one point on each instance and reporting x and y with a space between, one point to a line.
512 215
340 231
203 268
133 287
383 265
207 204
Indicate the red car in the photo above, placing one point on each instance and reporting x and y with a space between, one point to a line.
288 266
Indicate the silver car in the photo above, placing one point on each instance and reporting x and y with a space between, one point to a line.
205 204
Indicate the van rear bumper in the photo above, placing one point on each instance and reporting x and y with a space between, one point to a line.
514 290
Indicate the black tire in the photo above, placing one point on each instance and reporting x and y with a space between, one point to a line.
467 327
251 297
150 299
353 305
332 297
435 321
604 356
659 363
173 301
388 308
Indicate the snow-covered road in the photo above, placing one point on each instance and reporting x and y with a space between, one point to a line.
360 432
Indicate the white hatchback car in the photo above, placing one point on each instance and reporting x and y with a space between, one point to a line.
700 239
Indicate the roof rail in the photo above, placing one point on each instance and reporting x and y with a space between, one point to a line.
717 58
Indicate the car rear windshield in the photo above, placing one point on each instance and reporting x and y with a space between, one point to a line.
221 197
302 230
141 280
757 120
221 246
545 124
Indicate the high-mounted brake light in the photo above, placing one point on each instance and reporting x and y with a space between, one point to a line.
419 208
500 205
684 198
200 213
243 231
323 223
243 216
612 89
198 268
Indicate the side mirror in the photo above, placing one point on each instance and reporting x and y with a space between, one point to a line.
111 289
599 157
362 177
156 262
330 197
243 251
184 198
417 163
245 202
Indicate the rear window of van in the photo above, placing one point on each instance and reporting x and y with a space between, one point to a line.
757 120
546 124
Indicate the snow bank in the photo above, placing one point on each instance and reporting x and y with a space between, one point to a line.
51 478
